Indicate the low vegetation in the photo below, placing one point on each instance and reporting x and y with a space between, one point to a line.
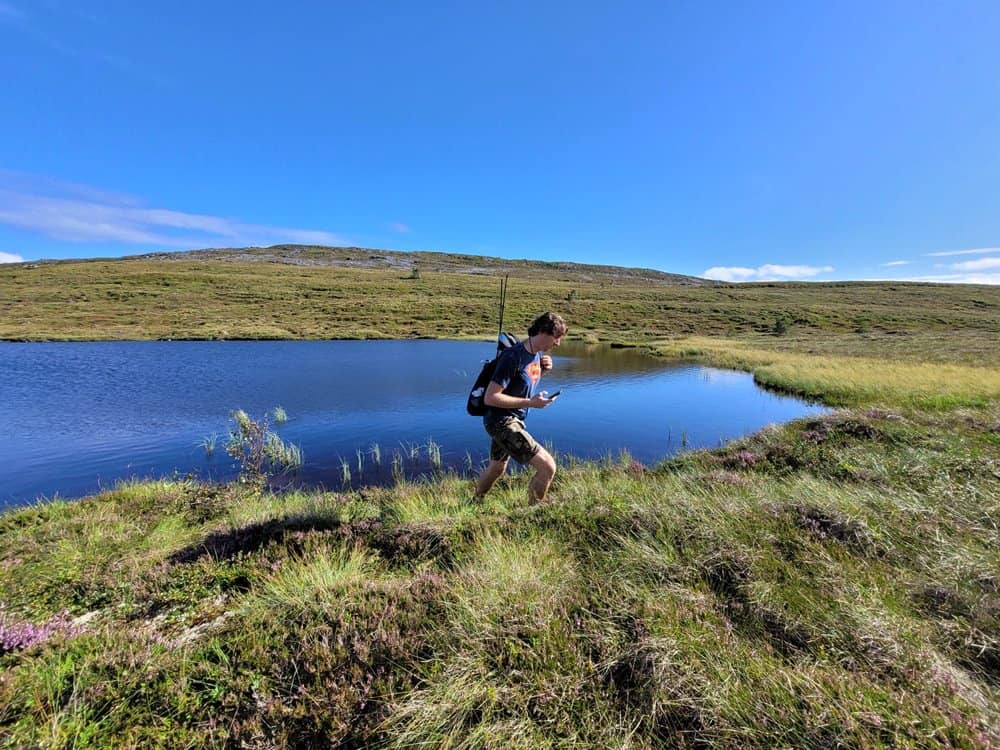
322 293
827 583
258 451
832 582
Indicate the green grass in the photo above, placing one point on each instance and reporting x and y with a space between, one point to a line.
832 582
848 379
828 582
309 293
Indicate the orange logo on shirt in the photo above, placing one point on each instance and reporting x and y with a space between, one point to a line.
534 371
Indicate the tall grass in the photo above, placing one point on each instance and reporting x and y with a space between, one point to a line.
830 582
411 451
287 455
398 471
434 454
208 443
317 582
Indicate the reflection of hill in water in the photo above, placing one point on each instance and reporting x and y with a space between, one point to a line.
577 358
90 413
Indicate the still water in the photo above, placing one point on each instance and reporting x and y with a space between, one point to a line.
77 417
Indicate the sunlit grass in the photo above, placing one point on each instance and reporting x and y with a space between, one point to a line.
316 583
420 501
507 578
169 534
508 594
850 379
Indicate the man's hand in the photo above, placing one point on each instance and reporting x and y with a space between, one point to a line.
540 400
546 363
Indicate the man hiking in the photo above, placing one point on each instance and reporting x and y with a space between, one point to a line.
513 390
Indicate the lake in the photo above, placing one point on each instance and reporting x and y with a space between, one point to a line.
78 417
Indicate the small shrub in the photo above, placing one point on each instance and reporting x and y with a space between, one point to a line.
259 451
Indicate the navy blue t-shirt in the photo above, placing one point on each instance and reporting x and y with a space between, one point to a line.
519 372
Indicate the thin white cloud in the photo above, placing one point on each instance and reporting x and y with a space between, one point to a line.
793 272
33 29
398 226
766 272
22 182
958 278
895 263
976 265
729 273
80 213
977 251
10 258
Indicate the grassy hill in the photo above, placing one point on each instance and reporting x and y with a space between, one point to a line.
317 293
437 262
832 582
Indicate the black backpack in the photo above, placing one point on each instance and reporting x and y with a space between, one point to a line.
475 404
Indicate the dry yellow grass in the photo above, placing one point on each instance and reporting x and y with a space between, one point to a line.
848 379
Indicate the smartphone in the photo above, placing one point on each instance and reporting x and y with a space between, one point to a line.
553 395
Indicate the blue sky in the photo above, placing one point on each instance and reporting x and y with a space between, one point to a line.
737 140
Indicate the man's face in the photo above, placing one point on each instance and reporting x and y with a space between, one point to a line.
548 341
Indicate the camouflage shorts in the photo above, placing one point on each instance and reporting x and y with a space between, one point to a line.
511 439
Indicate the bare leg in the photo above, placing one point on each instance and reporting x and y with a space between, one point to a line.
545 470
489 476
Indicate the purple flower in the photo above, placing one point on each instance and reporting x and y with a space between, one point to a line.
17 634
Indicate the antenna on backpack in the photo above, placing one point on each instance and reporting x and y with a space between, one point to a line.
475 404
503 304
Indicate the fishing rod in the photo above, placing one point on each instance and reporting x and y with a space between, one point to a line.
503 304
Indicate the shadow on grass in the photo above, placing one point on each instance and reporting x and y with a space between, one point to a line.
729 576
402 545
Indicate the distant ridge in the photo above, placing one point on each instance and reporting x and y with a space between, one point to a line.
362 257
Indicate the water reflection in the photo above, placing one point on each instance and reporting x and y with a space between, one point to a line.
601 359
75 417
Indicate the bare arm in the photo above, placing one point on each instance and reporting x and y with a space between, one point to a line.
497 398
